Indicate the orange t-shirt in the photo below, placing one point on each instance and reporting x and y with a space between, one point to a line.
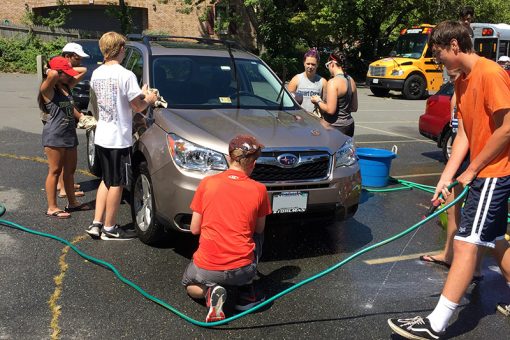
485 90
230 204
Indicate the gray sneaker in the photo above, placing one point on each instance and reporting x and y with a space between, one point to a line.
94 230
117 234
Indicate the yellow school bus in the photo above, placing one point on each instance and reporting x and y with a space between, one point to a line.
410 68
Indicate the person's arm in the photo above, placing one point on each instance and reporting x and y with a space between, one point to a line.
143 101
324 87
196 223
77 78
460 149
48 85
292 87
260 225
453 102
353 106
329 106
496 144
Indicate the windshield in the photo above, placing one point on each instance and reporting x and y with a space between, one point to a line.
92 49
209 82
410 45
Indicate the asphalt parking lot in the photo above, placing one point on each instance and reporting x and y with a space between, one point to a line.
46 289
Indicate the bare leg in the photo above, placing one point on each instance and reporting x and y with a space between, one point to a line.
55 163
196 291
70 161
502 254
60 186
112 205
461 271
102 193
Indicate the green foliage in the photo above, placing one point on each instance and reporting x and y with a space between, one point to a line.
56 18
18 55
122 12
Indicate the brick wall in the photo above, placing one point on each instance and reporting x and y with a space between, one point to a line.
161 17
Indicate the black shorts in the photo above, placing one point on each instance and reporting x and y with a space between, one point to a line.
484 217
115 166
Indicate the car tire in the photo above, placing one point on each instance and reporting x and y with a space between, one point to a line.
92 161
143 207
414 87
379 92
447 145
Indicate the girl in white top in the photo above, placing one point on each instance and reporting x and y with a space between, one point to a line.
308 83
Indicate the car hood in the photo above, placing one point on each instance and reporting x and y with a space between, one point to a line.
214 128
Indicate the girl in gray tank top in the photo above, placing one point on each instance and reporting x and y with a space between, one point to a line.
59 134
308 83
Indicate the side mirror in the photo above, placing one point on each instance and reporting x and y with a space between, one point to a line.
298 97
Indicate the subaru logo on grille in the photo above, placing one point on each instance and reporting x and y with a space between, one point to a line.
287 160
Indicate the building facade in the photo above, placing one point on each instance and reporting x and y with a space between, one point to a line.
154 16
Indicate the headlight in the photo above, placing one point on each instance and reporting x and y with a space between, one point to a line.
346 155
397 72
191 156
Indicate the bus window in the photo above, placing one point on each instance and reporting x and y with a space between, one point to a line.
503 47
486 47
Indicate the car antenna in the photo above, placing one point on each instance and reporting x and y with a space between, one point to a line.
284 75
233 60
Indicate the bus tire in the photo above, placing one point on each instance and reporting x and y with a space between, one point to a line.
415 87
379 91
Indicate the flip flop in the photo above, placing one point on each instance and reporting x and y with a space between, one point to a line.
430 259
58 214
76 194
81 207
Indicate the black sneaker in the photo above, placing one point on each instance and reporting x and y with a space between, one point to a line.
214 299
248 297
503 309
414 328
117 234
94 230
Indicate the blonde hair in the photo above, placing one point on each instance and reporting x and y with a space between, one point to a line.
110 44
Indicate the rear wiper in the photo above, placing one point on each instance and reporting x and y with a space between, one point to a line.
233 61
284 75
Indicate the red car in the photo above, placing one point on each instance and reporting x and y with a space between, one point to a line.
435 122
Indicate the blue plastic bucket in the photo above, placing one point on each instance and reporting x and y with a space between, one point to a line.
375 166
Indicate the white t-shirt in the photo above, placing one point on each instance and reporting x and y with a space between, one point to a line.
114 87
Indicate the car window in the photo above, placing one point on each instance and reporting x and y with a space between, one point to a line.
92 49
446 89
207 82
135 64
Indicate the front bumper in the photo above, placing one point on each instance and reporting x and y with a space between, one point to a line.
385 83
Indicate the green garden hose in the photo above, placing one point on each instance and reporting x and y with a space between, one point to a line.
268 301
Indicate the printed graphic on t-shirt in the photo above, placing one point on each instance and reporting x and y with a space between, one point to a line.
308 92
106 91
67 107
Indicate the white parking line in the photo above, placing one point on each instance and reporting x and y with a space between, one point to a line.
389 121
393 133
397 141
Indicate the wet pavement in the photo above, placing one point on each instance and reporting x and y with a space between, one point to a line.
352 302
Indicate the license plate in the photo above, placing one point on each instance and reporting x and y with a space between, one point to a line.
375 81
290 202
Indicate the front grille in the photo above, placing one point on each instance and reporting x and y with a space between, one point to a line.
377 71
316 167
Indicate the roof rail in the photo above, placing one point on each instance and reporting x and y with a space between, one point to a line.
146 39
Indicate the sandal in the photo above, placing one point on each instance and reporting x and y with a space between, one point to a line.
59 214
76 194
81 207
431 259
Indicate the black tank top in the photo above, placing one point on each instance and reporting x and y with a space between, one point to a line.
60 128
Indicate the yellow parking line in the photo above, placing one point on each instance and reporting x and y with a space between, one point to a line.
40 160
59 280
400 258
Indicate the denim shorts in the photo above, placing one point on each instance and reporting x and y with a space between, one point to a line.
232 277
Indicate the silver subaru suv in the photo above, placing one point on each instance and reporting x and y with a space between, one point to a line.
215 91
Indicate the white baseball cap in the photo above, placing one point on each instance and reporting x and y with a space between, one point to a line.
75 48
504 59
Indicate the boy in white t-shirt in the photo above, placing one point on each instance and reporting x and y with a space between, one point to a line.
118 94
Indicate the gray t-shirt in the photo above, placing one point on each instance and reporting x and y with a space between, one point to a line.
60 128
343 116
308 88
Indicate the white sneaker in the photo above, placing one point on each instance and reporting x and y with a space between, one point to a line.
117 234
